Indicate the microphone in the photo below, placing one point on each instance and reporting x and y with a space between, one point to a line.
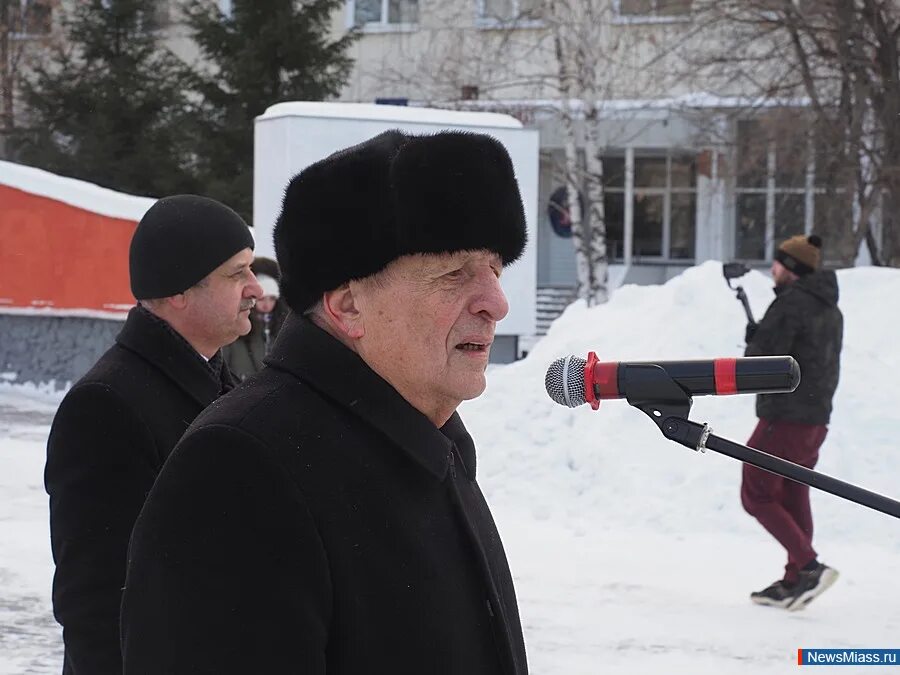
572 381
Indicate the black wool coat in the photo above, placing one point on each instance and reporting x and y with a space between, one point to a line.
110 436
804 322
312 521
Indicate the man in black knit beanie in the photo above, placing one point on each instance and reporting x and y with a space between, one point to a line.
190 271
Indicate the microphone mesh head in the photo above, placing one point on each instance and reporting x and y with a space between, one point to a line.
565 381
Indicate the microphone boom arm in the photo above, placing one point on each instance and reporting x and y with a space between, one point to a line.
656 394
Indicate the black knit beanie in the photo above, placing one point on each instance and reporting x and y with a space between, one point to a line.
351 214
801 255
179 241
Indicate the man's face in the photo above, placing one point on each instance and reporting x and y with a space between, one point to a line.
428 322
219 307
265 305
782 275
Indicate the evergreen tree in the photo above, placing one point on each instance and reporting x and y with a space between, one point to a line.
109 105
261 53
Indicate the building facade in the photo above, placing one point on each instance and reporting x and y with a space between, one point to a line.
689 176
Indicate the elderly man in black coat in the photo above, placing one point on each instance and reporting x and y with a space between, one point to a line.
325 516
190 270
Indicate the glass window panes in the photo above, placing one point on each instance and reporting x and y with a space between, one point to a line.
673 7
614 206
684 171
636 7
654 7
789 210
497 9
530 8
366 11
750 234
157 15
790 162
403 11
510 10
832 212
30 17
614 172
650 172
648 225
752 154
682 225
664 205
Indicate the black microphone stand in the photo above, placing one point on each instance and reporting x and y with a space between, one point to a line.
651 390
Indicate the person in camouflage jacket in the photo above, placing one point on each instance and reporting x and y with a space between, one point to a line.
804 322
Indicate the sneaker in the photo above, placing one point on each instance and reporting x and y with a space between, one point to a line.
776 595
811 585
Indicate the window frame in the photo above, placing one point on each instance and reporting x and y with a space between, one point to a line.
772 191
653 17
27 35
489 22
382 25
666 191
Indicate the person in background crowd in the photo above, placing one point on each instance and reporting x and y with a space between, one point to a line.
804 322
245 355
189 263
325 516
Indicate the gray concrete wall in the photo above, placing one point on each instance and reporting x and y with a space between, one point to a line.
43 349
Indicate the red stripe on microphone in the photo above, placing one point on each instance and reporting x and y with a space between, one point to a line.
725 376
606 379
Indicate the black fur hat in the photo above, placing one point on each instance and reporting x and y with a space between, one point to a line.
349 215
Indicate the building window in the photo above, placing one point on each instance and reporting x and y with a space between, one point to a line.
664 206
158 15
777 191
367 13
649 9
508 11
30 18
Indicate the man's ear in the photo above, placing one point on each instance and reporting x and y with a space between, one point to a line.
177 301
342 312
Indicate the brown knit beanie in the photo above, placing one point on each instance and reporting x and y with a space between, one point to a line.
800 254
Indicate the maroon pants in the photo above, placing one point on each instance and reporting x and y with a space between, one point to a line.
779 504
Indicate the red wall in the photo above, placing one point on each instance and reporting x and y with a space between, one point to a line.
61 256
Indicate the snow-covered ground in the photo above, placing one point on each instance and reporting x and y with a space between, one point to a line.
631 554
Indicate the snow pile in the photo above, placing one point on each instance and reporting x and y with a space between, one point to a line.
583 469
631 554
74 192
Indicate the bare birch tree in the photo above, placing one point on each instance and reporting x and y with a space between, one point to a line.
578 87
551 57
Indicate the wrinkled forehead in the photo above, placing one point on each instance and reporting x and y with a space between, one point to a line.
437 261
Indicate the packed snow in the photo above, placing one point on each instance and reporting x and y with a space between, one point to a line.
631 554
74 192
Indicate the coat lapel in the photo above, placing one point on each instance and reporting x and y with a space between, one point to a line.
306 351
154 340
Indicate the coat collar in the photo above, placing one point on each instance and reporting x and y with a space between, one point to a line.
154 340
336 372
